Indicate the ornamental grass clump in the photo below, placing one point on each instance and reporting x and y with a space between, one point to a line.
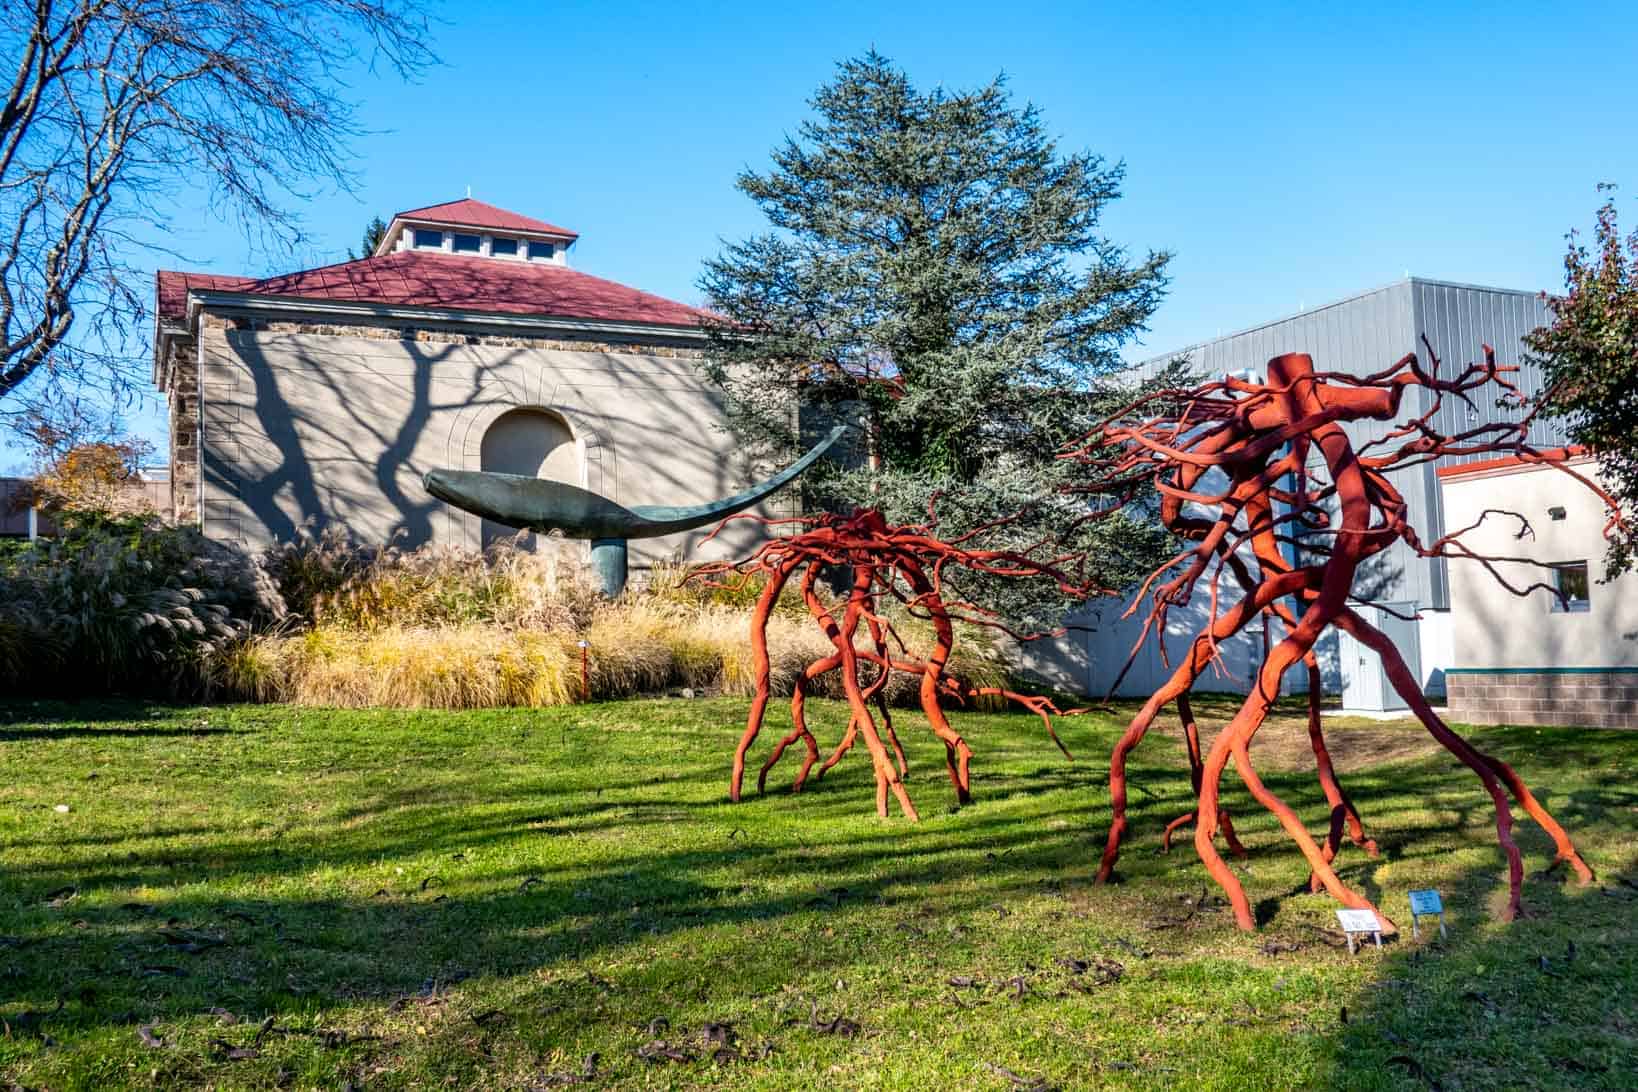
449 667
134 606
127 605
327 579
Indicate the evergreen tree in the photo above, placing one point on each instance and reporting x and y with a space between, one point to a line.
935 269
374 231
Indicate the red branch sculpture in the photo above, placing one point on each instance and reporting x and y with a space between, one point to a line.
1262 481
906 563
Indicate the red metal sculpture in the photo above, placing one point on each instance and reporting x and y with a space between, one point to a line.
904 563
1263 483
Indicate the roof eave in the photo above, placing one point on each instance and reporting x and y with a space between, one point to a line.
250 302
165 329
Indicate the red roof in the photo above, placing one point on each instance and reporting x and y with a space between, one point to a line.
469 213
172 293
412 278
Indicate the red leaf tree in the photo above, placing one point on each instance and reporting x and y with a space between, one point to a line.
1261 481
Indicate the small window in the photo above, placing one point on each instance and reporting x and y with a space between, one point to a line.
503 248
428 240
467 244
1570 578
541 252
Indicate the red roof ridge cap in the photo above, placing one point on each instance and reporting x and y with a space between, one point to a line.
1545 457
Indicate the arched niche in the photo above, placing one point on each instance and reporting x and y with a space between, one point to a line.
534 443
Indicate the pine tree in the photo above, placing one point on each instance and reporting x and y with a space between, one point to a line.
935 268
374 231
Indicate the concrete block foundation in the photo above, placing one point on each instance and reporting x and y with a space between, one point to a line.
1590 697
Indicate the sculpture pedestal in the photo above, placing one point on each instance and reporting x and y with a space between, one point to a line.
609 556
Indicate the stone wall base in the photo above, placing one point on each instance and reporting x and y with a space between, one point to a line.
1595 699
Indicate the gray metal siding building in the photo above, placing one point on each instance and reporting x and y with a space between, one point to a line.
1361 335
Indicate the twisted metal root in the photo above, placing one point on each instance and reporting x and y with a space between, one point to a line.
1275 443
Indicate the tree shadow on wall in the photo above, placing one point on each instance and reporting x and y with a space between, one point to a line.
318 447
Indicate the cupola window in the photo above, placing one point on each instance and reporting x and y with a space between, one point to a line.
467 244
503 248
541 252
428 240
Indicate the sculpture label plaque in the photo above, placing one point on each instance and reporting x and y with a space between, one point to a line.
1359 921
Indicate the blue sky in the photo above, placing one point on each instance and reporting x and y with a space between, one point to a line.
1288 155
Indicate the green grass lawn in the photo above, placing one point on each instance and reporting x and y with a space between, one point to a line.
257 897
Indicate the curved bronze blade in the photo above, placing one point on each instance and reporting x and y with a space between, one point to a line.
538 504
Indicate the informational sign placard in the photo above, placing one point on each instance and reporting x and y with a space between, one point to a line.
1426 902
1358 921
1354 922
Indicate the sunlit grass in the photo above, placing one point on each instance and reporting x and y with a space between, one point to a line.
483 899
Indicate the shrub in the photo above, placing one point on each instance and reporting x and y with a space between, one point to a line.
454 667
132 603
327 579
100 478
137 606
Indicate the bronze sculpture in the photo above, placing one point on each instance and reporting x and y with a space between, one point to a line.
538 504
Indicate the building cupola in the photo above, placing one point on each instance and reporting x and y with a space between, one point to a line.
473 229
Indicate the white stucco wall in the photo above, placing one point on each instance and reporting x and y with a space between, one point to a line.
301 426
1491 627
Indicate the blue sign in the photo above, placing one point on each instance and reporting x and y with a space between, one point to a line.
1426 902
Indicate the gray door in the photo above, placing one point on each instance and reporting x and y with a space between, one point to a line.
1365 685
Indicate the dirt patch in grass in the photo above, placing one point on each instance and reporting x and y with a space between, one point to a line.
1355 743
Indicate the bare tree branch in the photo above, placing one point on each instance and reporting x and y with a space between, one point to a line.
114 107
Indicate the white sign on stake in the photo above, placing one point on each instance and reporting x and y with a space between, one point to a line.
1359 921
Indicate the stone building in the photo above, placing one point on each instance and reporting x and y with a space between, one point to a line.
464 341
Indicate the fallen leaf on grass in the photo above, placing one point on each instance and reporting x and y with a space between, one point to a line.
227 1052
658 1050
146 1033
1414 1070
60 896
1029 1084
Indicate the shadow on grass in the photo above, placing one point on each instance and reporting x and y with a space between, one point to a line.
527 876
87 731
1543 1002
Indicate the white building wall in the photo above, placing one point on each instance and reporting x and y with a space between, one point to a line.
1493 628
